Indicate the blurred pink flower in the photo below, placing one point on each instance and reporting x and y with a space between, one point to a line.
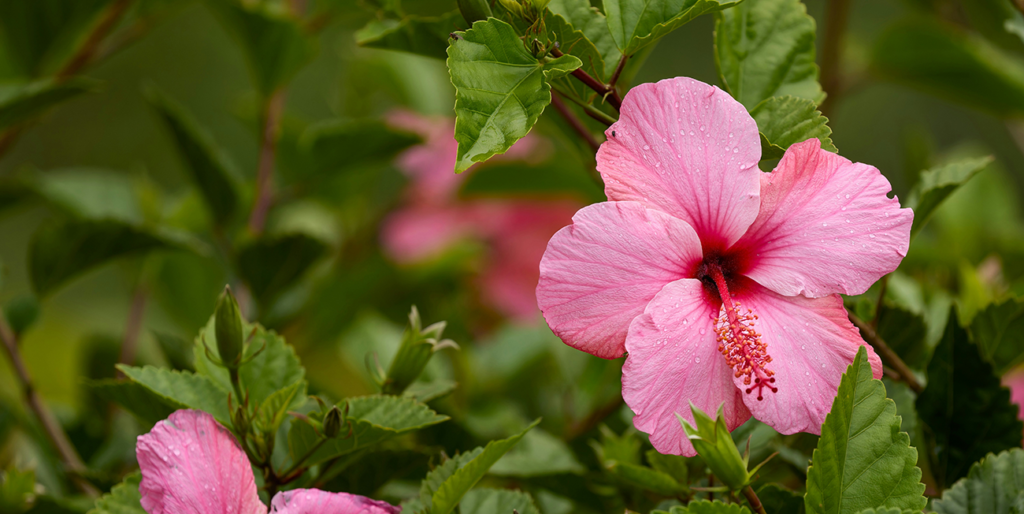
192 465
1014 381
720 281
434 218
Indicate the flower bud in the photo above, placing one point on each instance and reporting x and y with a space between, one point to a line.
418 346
474 10
714 444
228 330
332 422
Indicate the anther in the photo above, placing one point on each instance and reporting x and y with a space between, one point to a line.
739 343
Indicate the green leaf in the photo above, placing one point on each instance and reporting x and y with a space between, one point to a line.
993 486
273 411
270 364
488 501
674 466
646 478
538 454
968 412
38 35
707 507
862 459
998 330
883 510
429 391
635 24
451 491
60 251
587 19
785 120
777 500
572 41
373 419
936 184
89 193
182 390
338 145
207 165
904 332
950 63
619 448
274 43
273 263
500 89
416 34
16 489
124 498
148 406
765 48
22 102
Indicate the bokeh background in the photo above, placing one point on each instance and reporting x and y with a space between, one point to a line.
471 244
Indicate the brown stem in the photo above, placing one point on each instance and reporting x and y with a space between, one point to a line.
82 56
607 92
831 53
87 50
753 500
886 353
574 122
711 483
72 462
618 71
132 329
265 174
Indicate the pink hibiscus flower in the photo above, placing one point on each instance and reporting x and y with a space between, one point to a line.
434 218
718 280
192 465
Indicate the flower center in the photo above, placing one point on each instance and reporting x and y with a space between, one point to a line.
738 342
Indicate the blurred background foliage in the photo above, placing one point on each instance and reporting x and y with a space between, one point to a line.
127 182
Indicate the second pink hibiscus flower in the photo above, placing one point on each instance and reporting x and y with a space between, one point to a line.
720 282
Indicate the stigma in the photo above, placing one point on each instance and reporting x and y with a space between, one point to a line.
739 342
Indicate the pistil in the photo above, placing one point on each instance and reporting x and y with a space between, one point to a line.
739 342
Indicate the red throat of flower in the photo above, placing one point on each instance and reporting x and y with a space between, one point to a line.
739 343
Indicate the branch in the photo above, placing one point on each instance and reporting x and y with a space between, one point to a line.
87 50
72 462
831 53
887 354
574 122
607 92
753 500
265 174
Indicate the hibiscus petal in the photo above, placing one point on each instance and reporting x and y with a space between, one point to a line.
826 225
192 465
600 272
690 150
811 342
315 501
673 361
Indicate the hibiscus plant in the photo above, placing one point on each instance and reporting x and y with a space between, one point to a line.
641 291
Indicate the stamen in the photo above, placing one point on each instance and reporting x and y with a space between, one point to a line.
739 343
